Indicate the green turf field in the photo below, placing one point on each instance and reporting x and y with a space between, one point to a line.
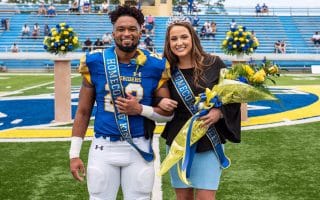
276 163
270 164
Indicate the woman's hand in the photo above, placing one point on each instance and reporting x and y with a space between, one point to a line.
212 117
167 104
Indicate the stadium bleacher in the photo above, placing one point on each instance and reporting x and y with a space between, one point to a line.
296 31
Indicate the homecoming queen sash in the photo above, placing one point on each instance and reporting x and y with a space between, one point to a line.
188 98
116 90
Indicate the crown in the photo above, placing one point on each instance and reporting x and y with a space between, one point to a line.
178 19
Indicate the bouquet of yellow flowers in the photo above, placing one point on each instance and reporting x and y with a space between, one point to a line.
61 39
226 91
239 41
255 76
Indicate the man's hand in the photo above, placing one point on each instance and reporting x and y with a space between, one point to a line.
76 166
129 105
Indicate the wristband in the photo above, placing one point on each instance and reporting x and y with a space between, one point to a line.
75 147
147 111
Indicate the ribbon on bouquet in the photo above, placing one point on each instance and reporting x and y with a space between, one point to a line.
204 104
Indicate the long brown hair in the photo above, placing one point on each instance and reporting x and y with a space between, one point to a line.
200 59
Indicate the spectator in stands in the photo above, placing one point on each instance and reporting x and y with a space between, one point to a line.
52 10
283 47
203 32
25 30
36 31
143 28
258 9
87 45
149 43
233 24
105 7
180 9
190 7
98 44
316 39
46 30
36 28
107 39
214 27
42 9
209 31
277 46
195 21
86 8
150 19
264 8
5 23
74 6
14 48
149 29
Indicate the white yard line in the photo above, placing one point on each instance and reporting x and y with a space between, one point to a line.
3 94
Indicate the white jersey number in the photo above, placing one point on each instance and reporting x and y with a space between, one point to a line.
132 88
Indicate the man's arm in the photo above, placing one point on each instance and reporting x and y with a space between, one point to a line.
131 106
80 125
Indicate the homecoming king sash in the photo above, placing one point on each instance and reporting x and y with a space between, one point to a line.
116 90
188 98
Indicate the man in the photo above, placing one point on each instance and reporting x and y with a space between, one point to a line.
123 81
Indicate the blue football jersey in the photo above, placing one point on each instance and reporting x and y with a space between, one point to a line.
139 80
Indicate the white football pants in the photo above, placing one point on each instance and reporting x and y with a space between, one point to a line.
112 164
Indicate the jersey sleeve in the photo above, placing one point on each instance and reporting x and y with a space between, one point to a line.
84 70
166 75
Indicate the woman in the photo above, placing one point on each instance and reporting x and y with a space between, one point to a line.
200 70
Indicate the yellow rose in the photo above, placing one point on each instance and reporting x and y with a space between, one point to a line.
248 70
234 46
273 69
66 32
75 40
54 33
62 24
70 29
66 40
62 48
225 42
241 39
259 76
236 33
53 29
229 33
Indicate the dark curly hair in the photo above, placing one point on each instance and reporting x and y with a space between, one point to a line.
126 10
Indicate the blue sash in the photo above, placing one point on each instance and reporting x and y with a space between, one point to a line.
188 98
113 78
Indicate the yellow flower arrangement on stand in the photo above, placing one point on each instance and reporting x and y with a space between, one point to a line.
61 39
239 41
